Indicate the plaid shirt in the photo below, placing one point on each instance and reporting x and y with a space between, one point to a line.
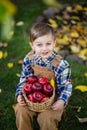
62 74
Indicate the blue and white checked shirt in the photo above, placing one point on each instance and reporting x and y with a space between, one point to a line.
62 74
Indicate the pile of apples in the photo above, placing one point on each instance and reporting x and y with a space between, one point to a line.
38 90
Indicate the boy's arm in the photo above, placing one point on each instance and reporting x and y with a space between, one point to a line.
26 71
64 82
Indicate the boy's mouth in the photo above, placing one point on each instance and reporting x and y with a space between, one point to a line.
44 53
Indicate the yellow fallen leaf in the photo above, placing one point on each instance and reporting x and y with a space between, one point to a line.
13 106
82 42
75 48
66 28
85 8
57 48
52 82
69 8
58 17
10 65
79 7
85 74
53 23
67 38
65 22
79 29
51 20
74 34
1 54
85 33
75 11
83 54
82 88
75 18
5 54
61 41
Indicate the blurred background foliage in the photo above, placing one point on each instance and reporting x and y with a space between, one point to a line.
7 11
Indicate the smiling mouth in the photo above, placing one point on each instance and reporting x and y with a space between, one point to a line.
44 53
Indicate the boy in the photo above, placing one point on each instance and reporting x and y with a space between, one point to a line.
43 56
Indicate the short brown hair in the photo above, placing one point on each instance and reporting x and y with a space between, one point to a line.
40 29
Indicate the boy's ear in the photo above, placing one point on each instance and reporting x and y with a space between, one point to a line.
31 44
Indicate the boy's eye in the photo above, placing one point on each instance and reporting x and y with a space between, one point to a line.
48 43
39 45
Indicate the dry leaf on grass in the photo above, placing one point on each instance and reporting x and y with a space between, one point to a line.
79 109
20 23
82 120
18 75
20 61
0 90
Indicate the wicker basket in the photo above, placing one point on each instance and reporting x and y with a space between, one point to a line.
39 107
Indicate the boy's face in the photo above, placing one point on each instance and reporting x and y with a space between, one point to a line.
44 45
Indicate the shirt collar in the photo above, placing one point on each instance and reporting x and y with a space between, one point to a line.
45 60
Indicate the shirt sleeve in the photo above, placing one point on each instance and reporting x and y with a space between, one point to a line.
64 81
26 71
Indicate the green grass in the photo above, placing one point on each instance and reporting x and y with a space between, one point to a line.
17 48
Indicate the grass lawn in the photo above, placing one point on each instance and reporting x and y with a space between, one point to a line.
17 48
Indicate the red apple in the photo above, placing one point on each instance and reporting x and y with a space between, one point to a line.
48 89
30 97
37 96
43 80
45 97
37 86
28 88
32 79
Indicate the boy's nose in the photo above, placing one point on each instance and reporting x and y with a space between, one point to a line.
44 47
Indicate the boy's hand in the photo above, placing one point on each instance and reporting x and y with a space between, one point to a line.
20 100
58 105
